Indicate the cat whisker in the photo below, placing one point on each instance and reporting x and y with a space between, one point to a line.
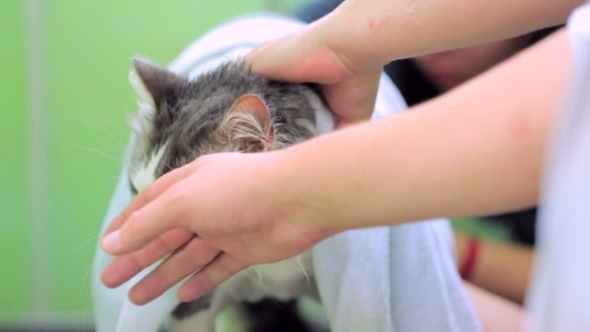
257 278
100 152
298 261
92 122
93 238
274 300
110 178
84 278
90 119
168 166
253 275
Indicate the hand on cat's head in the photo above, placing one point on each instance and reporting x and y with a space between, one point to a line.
348 85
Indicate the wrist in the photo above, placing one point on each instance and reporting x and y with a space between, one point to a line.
303 192
469 253
358 52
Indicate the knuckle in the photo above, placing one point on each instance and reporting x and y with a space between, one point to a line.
133 224
168 273
177 200
231 265
160 247
197 253
150 193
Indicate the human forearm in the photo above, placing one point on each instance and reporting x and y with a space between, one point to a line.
477 150
495 313
380 31
501 268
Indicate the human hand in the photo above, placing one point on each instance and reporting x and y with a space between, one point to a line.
218 213
348 82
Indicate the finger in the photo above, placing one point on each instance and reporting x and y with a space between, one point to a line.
269 58
298 57
168 211
152 192
360 92
125 267
211 276
182 263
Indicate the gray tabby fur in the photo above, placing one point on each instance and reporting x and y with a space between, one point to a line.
180 120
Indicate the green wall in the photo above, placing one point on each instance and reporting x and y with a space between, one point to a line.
15 252
64 97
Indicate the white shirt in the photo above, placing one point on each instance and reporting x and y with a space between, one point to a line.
560 293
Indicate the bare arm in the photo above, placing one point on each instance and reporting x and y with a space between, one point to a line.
477 150
385 30
346 50
495 313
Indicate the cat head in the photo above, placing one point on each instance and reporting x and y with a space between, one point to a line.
228 109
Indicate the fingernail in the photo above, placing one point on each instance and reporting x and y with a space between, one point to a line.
111 242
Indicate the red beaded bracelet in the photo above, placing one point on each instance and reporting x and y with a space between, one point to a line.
470 261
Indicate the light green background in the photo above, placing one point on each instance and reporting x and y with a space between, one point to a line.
72 59
15 258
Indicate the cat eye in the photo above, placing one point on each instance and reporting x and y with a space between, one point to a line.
133 189
279 119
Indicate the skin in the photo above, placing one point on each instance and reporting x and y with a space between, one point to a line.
502 268
261 208
433 26
348 68
495 313
449 69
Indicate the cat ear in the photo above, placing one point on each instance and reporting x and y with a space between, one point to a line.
152 83
250 125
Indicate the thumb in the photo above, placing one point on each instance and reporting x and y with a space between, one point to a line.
298 57
353 100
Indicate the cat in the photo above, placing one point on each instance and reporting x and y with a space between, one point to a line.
225 109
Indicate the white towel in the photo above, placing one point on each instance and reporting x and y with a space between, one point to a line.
381 279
